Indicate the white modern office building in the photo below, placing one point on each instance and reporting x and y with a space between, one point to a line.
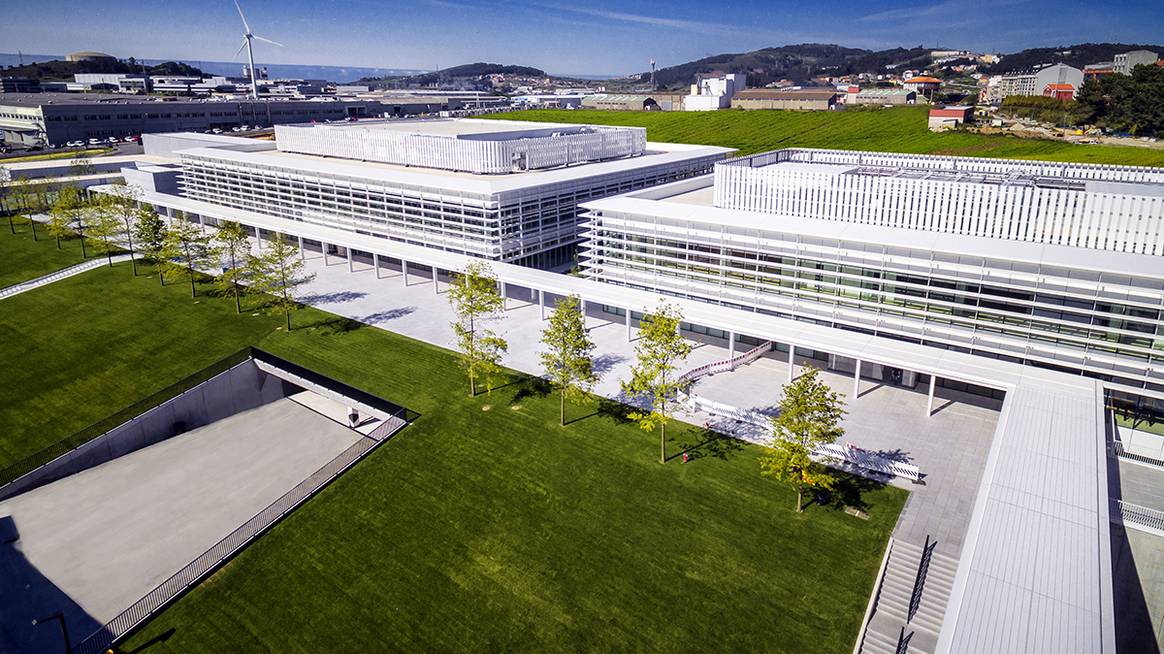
501 190
1052 265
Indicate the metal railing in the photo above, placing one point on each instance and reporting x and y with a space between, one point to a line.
726 365
213 558
903 642
21 287
1118 448
1138 517
919 581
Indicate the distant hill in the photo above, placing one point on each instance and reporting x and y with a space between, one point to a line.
796 62
462 72
1073 55
64 70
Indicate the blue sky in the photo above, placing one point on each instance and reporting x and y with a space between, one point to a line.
591 37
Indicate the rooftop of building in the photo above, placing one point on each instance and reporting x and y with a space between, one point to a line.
66 99
1130 180
445 180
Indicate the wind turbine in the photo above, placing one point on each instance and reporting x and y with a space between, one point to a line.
248 37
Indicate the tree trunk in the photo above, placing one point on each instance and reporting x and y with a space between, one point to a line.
32 223
472 386
58 242
799 505
562 418
287 315
193 291
663 443
109 257
237 301
11 227
132 259
83 253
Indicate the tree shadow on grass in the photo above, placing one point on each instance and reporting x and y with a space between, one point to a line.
848 492
707 443
331 325
531 387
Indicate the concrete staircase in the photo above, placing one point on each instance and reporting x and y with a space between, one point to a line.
892 600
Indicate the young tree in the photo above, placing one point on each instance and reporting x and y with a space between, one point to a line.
569 354
5 197
185 249
475 298
278 271
122 203
810 416
104 226
234 246
81 166
68 215
660 350
151 237
25 195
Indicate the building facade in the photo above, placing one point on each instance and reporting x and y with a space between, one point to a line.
1033 82
500 190
799 100
1052 265
1126 62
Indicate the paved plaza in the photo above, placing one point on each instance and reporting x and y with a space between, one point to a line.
97 541
949 447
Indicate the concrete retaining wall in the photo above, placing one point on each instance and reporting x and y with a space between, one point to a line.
238 389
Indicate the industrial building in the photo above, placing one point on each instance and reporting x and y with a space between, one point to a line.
57 118
620 102
941 118
711 93
880 96
1123 64
1048 264
795 99
500 190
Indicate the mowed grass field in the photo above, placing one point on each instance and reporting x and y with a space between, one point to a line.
22 258
482 526
900 129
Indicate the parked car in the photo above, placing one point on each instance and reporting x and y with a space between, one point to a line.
113 140
129 139
94 141
75 144
216 131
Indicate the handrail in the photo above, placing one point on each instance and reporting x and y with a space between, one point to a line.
726 365
1120 452
919 581
28 285
1136 516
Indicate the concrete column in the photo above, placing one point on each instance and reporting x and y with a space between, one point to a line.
542 302
504 297
930 403
259 240
857 379
349 251
323 248
376 264
435 287
302 256
628 325
731 345
404 271
791 361
582 308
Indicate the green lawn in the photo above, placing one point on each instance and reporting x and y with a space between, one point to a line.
22 259
483 526
894 130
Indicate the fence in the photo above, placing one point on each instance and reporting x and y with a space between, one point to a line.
214 557
1138 517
